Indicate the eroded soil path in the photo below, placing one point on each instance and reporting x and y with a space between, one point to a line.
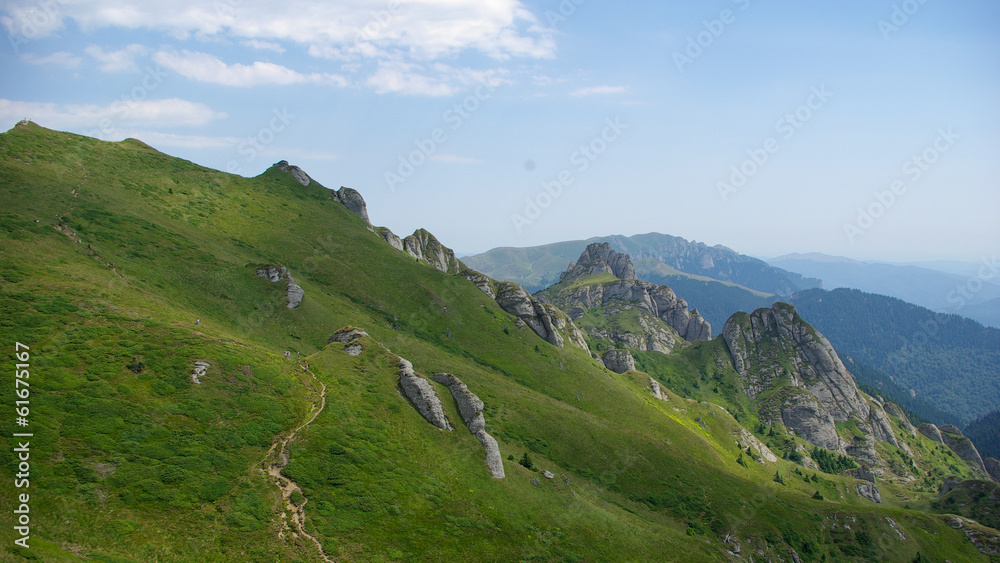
277 463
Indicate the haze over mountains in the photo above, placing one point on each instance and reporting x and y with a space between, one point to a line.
246 369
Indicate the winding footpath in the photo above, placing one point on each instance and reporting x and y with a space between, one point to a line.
287 486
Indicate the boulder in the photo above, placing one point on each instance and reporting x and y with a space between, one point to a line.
421 395
294 294
869 491
618 361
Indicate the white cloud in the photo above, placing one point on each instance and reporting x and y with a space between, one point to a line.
116 61
263 45
436 80
597 90
160 139
419 29
60 58
172 112
207 68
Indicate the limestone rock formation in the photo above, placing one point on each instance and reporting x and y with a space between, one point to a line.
482 281
992 468
471 409
349 336
659 302
932 432
894 409
775 349
423 246
869 491
598 258
421 395
296 172
961 445
748 440
654 388
390 238
619 361
352 200
275 273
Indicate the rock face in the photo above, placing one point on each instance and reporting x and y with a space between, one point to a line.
390 238
992 468
932 432
869 491
296 172
961 445
275 273
659 302
471 409
423 246
352 200
598 258
545 319
774 349
619 361
654 388
749 440
894 409
482 281
421 394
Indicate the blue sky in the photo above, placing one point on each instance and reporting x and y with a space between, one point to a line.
869 129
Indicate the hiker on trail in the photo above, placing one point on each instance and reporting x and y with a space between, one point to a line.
307 366
197 322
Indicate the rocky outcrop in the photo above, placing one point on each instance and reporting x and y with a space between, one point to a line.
349 336
482 281
659 301
961 445
619 361
992 468
894 410
423 246
199 371
932 432
775 349
748 440
421 395
471 409
275 273
296 172
352 200
390 238
654 388
598 258
869 491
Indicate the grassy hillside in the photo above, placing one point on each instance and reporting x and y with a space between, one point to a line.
111 253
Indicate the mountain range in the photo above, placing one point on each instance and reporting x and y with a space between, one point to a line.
223 368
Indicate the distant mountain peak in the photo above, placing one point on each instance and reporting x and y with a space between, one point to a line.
599 258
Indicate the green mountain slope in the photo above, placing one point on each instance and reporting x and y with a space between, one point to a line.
123 267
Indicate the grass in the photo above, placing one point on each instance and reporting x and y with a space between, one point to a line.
164 242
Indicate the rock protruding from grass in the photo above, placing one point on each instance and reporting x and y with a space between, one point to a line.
618 361
471 408
275 273
422 396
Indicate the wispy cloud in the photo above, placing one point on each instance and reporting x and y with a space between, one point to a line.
263 45
597 90
204 67
60 58
171 112
116 61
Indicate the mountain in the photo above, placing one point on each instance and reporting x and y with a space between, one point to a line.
221 368
539 267
976 296
985 433
948 361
